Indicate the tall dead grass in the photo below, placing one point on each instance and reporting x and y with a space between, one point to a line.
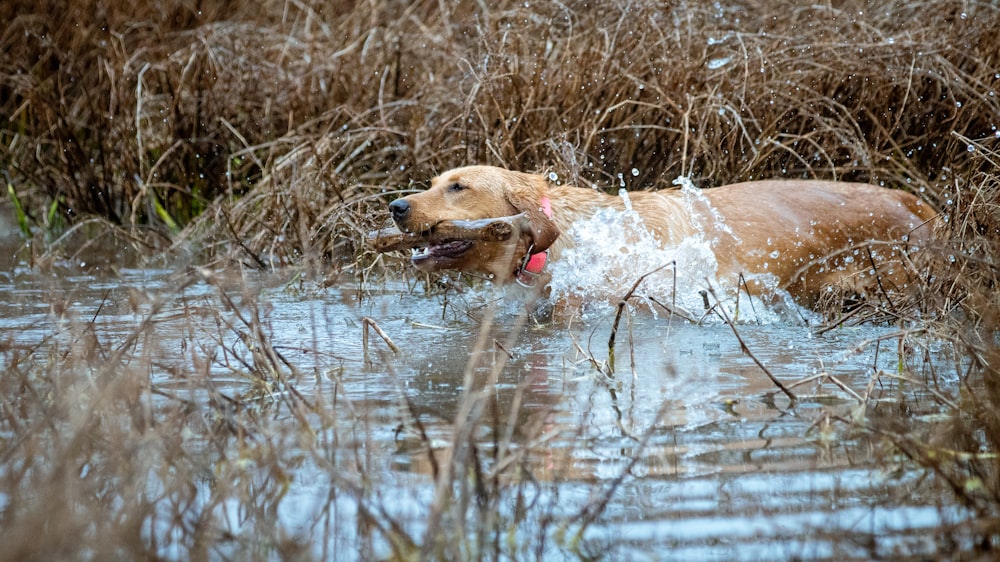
275 129
189 434
273 133
637 93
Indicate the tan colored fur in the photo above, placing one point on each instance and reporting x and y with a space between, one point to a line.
800 221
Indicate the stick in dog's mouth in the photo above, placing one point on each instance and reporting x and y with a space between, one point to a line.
449 238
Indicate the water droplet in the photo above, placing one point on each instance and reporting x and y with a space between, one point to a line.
623 193
718 63
635 172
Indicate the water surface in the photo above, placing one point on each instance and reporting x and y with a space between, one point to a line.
695 451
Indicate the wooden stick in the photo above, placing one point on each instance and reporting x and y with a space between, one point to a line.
499 229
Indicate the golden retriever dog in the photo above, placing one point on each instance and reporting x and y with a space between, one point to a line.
805 236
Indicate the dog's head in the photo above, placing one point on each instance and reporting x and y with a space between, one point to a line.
477 192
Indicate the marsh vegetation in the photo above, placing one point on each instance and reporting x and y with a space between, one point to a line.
179 176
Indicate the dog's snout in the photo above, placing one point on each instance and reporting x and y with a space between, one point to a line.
400 209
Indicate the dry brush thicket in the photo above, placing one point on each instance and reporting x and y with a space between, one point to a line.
273 133
280 125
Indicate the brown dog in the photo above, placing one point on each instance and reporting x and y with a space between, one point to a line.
806 235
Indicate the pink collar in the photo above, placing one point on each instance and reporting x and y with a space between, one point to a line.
534 263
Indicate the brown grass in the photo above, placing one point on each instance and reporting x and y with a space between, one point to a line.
115 448
273 133
281 125
592 94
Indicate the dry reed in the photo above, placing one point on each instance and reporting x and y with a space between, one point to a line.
273 133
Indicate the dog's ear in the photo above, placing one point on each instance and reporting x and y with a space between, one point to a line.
543 230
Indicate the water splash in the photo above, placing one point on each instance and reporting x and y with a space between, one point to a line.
718 63
696 204
623 194
613 249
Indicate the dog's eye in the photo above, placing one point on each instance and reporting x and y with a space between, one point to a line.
456 187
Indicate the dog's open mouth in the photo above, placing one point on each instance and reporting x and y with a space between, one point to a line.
444 251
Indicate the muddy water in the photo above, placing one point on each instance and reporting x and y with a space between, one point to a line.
697 453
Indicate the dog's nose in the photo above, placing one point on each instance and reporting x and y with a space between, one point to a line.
400 209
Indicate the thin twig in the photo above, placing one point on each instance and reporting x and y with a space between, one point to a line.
618 316
673 310
366 324
743 345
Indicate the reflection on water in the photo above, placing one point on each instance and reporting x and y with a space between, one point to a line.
689 444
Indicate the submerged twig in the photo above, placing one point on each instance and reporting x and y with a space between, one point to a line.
415 417
745 349
592 510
